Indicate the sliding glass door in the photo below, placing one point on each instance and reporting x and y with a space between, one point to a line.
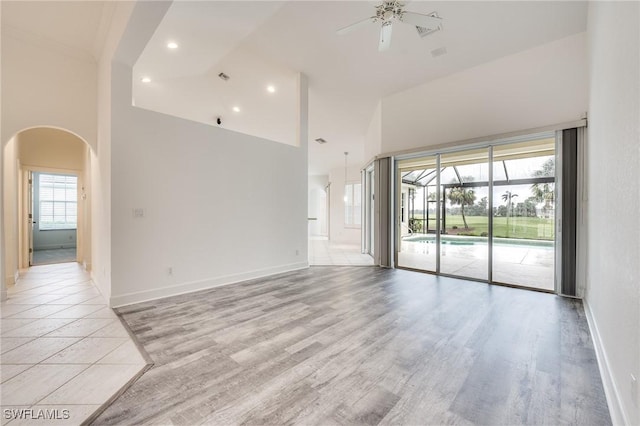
465 223
524 213
485 213
417 215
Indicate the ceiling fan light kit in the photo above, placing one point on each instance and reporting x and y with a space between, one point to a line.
392 11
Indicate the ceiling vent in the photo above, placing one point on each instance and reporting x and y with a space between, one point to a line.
438 52
423 32
321 141
223 76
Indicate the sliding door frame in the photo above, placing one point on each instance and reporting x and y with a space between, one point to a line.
489 145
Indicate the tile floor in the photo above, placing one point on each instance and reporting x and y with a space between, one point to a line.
62 349
45 257
324 252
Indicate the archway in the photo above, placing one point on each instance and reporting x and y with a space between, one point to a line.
54 151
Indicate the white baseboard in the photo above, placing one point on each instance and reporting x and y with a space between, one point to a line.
98 285
193 286
55 246
16 277
618 416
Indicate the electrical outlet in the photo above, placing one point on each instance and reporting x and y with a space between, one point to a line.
138 212
170 270
297 252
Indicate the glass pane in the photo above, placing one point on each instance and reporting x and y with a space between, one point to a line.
58 201
348 196
59 193
524 211
448 175
357 215
417 215
464 188
72 209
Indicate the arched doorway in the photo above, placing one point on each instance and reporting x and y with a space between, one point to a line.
51 152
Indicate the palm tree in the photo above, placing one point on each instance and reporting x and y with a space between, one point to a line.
508 196
544 192
463 197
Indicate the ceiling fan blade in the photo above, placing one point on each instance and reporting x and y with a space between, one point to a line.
385 37
355 26
420 20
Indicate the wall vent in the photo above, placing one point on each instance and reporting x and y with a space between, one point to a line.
438 52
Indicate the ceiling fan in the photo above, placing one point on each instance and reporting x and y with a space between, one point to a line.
391 11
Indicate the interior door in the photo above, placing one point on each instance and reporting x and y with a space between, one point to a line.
31 219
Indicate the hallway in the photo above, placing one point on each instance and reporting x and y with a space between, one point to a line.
325 252
62 347
47 257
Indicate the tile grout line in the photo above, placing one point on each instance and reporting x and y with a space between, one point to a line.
149 364
80 339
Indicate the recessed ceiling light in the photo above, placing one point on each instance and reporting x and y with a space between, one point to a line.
145 80
172 45
271 89
236 109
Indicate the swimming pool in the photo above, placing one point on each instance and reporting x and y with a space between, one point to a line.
472 240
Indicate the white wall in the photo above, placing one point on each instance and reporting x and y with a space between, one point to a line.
43 86
100 158
48 148
373 138
219 206
538 87
53 150
339 231
318 205
10 211
3 284
613 283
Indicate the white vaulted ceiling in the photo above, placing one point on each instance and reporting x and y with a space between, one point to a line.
263 42
76 28
347 75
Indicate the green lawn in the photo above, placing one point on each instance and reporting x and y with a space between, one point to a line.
532 228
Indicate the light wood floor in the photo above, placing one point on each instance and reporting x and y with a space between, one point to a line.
363 345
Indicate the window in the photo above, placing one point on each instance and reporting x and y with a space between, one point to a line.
58 201
352 205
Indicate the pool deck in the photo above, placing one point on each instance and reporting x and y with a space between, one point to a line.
517 264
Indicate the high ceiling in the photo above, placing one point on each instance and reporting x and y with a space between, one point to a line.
78 28
347 75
